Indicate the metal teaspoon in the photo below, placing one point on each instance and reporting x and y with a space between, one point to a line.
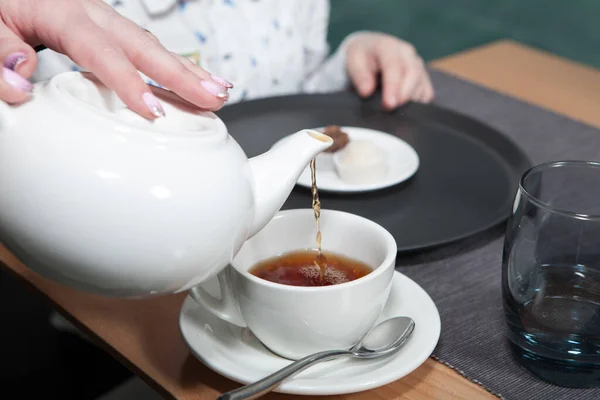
384 339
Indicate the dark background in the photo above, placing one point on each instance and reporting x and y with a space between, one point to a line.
438 28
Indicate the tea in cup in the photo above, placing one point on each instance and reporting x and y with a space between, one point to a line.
310 268
273 287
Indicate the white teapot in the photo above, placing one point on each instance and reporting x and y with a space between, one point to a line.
98 198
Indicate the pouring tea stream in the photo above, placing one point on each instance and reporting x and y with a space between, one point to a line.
95 197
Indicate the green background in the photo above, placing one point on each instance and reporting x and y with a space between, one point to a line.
570 28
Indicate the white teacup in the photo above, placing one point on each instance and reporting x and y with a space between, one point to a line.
295 321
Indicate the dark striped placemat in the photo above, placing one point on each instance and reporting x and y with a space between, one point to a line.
464 279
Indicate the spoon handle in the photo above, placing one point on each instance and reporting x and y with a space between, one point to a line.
265 385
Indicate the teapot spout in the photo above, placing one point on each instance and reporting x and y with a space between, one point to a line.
276 172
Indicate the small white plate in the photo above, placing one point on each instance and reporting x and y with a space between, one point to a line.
402 161
235 353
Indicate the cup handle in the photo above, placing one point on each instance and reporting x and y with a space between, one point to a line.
226 306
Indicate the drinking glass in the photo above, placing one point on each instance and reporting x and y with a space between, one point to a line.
551 273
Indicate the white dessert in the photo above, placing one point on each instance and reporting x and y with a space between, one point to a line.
361 162
325 162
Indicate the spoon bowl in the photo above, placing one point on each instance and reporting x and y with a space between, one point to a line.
383 340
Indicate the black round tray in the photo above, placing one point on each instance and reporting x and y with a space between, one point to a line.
465 184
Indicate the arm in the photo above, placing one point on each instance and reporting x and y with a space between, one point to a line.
323 74
363 58
28 23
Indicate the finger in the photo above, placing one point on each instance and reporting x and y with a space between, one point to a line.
419 92
108 63
156 62
400 72
429 91
15 54
189 64
424 93
428 95
362 69
410 82
13 87
391 78
184 60
201 73
193 67
197 87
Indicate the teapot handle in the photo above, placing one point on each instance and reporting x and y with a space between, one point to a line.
226 306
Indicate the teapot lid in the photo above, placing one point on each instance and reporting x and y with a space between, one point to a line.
181 118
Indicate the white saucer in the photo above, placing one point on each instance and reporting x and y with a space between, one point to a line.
236 354
401 158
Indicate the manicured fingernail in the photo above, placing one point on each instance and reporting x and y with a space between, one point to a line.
153 105
215 89
17 81
393 101
222 82
364 88
14 59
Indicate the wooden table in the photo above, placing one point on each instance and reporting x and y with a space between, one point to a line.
144 335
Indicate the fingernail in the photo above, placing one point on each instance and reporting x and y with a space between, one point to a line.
17 81
14 59
153 105
363 88
215 89
222 82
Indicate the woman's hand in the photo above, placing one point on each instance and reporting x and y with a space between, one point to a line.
99 40
403 74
